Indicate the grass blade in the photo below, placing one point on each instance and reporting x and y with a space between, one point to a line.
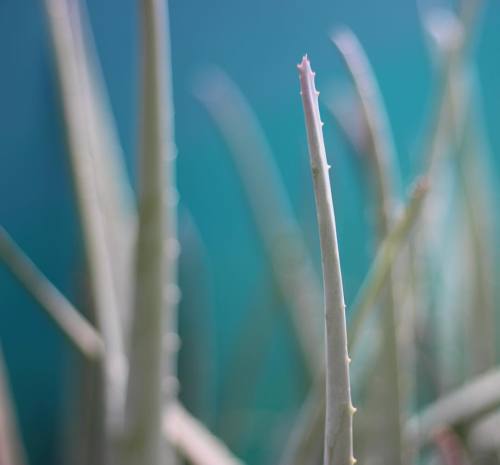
462 406
66 317
339 409
11 448
279 232
81 152
193 440
152 360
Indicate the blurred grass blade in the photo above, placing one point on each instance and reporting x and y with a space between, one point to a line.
455 43
279 232
339 409
113 187
484 434
384 436
193 440
82 153
11 448
464 405
301 437
381 266
73 325
152 361
380 147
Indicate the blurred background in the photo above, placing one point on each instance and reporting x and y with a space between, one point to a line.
240 369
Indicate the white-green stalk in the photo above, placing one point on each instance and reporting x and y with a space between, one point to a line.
290 262
82 153
473 400
339 409
385 393
73 325
152 361
302 441
11 448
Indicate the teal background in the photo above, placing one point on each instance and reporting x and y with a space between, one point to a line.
228 292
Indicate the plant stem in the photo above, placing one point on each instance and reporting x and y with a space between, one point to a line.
290 261
151 386
11 448
339 409
193 440
301 438
81 152
462 406
68 319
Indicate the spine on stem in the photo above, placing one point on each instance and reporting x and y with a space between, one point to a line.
339 409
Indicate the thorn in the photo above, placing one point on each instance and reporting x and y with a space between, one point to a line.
353 410
353 461
317 93
328 167
322 124
348 359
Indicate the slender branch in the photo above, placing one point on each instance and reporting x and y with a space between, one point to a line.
384 260
268 199
81 151
462 406
11 448
484 434
339 410
193 440
301 438
113 188
384 396
68 319
380 144
152 358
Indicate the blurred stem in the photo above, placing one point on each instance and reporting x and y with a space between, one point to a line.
462 406
102 290
385 392
339 409
152 381
67 318
11 448
301 437
193 440
113 188
290 261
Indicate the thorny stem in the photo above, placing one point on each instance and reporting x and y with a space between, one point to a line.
151 386
339 409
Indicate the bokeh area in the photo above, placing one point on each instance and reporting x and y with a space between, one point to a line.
241 367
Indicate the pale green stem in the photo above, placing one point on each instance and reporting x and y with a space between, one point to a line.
460 407
193 440
11 447
339 409
73 325
385 440
376 278
279 232
152 383
81 152
113 188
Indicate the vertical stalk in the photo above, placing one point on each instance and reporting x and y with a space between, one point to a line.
385 441
280 234
339 409
152 362
11 448
82 153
